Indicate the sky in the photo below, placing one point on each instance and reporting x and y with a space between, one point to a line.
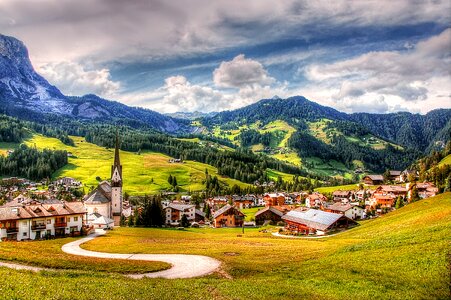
190 55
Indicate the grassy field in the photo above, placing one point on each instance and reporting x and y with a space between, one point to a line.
7 146
402 255
48 254
145 173
250 212
445 161
349 187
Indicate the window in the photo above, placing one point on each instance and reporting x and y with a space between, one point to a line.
24 234
75 219
49 221
24 222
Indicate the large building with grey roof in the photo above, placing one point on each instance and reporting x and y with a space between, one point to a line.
106 198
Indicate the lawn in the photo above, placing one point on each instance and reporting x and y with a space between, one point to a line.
402 255
145 173
250 213
48 254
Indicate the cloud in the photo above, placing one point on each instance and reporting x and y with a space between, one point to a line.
106 30
396 76
72 79
241 72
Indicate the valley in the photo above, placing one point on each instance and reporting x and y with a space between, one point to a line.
344 266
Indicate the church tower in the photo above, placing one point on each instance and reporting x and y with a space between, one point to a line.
116 185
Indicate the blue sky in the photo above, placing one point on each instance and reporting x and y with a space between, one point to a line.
373 56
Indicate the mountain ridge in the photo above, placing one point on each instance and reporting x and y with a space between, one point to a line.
24 93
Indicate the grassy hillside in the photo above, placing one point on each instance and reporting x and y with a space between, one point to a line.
445 161
145 173
402 255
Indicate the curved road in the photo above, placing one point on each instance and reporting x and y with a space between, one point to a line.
183 265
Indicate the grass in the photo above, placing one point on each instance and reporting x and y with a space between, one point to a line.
145 173
402 255
250 213
4 147
273 175
48 254
445 161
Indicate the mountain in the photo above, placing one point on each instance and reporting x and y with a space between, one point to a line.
191 115
26 94
415 131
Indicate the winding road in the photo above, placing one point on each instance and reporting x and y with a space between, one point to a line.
183 265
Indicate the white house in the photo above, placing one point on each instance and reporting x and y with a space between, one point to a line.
174 213
36 220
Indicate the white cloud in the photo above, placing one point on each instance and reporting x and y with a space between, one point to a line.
105 30
407 79
72 79
241 72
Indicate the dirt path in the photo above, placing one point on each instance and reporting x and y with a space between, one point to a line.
183 265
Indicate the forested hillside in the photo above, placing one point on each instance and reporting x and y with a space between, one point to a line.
375 141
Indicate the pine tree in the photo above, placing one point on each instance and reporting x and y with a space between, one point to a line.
184 221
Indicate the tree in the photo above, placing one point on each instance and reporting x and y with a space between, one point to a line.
207 212
184 221
130 222
414 196
122 221
399 202
170 180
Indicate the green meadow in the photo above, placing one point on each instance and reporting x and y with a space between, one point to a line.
143 173
402 255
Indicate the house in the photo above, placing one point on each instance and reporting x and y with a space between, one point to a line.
351 211
384 201
395 175
174 213
426 190
373 179
199 215
409 175
175 161
228 216
341 196
269 213
68 182
315 221
274 199
394 190
246 201
36 220
315 200
217 201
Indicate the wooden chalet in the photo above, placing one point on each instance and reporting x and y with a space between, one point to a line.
394 190
241 202
228 216
315 221
341 196
315 200
395 175
351 211
269 213
274 199
373 179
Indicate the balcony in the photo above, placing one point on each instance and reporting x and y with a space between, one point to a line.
12 229
38 226
60 224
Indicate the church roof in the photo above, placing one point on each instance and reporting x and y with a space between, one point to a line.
98 196
102 220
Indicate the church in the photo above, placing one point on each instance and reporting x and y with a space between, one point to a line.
104 203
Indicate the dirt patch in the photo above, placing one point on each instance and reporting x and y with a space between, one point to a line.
231 253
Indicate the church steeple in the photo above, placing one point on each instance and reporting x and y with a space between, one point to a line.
116 168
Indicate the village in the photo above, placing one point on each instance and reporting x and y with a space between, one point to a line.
32 212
